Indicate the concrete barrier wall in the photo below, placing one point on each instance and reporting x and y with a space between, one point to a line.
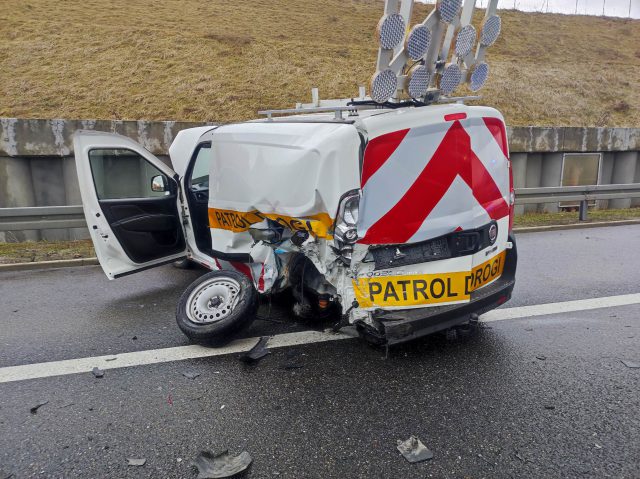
37 166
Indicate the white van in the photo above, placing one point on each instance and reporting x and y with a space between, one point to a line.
398 219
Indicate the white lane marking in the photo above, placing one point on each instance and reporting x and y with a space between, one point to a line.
154 356
562 307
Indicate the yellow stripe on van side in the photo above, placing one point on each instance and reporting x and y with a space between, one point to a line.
239 221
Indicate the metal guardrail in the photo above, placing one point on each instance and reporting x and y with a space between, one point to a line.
52 217
583 194
41 218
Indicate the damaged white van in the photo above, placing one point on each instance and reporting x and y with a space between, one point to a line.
398 218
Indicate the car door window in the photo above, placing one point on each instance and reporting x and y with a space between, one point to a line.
200 173
120 173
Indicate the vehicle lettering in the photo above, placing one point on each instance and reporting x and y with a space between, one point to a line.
422 288
382 289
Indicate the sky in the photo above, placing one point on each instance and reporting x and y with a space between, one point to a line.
612 8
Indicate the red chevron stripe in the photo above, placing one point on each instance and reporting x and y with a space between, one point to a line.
378 152
496 127
453 157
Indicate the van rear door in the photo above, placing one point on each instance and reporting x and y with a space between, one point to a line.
131 203
427 181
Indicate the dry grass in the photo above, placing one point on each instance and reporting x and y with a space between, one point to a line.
44 251
222 61
571 217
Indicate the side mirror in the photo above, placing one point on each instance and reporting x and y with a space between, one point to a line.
159 184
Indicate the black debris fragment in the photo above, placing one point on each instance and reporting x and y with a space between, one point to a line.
294 360
521 458
451 334
136 462
541 357
549 407
413 450
256 353
190 374
630 364
34 409
221 465
134 338
292 365
97 372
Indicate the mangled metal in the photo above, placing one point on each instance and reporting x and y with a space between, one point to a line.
221 465
413 450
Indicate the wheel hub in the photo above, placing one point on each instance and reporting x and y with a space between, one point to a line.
213 300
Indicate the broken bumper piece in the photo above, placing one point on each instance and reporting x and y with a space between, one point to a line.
399 326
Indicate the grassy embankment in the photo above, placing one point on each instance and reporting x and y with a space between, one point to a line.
222 61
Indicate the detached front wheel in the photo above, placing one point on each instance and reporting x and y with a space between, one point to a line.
216 306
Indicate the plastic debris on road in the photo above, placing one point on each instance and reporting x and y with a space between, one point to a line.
630 364
97 372
257 352
221 465
136 462
190 374
413 450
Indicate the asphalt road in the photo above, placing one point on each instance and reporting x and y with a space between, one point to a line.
532 397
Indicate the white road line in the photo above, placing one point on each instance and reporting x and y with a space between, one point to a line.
558 308
155 356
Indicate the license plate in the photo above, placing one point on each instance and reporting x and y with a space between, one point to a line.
419 290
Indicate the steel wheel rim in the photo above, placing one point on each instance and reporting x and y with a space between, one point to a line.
213 300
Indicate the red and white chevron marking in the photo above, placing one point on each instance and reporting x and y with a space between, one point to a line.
427 181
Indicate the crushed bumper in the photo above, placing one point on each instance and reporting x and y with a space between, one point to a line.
398 326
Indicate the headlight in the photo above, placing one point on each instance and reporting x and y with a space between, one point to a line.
345 232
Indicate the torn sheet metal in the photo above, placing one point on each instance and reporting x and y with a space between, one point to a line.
413 450
221 465
294 176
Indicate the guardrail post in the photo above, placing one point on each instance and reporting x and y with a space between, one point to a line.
584 210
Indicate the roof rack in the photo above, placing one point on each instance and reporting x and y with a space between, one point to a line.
337 110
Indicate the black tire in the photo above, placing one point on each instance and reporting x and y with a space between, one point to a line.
217 331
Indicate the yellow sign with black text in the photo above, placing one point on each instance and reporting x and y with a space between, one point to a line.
238 221
422 289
